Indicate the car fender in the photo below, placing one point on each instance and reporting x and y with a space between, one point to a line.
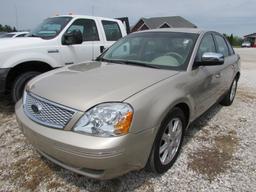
17 59
151 107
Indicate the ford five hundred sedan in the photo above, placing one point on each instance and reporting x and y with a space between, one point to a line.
130 108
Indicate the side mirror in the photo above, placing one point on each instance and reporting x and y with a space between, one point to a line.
72 38
210 58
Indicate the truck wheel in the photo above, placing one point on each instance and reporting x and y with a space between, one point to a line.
19 84
168 142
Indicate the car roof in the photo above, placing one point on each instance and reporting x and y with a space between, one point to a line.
181 30
86 17
18 33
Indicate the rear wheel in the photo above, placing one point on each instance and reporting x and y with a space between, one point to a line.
168 142
19 84
230 96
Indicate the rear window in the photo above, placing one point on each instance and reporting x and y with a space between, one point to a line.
112 30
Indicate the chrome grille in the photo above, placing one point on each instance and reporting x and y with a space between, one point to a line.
45 112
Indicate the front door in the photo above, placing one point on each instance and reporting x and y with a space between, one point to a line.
206 79
89 49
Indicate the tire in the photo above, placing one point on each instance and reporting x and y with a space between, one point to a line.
156 162
19 84
230 96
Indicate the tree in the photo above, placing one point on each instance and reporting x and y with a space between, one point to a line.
234 40
7 28
231 39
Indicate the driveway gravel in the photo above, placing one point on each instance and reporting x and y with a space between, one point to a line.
218 152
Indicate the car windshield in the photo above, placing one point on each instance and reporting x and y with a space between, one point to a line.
164 50
50 27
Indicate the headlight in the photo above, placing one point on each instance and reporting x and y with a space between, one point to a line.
107 119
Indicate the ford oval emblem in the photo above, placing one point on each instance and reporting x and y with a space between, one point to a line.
36 108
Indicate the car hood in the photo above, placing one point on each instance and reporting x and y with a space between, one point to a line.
18 43
85 85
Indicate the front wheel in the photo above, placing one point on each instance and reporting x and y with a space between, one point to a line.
168 142
19 84
230 96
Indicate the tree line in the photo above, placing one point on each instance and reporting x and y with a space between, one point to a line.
7 28
234 40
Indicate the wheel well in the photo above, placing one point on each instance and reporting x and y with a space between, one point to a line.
185 108
25 67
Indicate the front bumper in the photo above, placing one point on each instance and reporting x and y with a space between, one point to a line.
95 157
3 77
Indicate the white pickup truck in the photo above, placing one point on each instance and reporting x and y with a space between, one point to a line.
58 41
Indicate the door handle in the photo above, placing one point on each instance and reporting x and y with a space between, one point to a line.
218 75
102 48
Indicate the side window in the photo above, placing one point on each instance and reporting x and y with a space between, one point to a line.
112 30
87 27
207 45
222 45
22 35
231 50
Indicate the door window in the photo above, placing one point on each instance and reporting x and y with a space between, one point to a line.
207 45
222 45
112 30
21 35
87 27
231 50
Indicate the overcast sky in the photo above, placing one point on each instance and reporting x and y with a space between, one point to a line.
226 16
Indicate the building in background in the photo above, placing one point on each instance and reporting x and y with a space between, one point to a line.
162 22
251 38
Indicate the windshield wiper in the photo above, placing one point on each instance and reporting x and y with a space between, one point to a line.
127 62
139 64
102 59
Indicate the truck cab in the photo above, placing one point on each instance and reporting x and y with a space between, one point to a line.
58 41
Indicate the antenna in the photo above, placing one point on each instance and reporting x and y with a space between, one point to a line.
16 17
93 10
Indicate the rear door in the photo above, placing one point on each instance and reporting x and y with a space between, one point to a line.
112 31
227 69
89 49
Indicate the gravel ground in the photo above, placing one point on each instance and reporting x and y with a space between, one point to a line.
218 153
